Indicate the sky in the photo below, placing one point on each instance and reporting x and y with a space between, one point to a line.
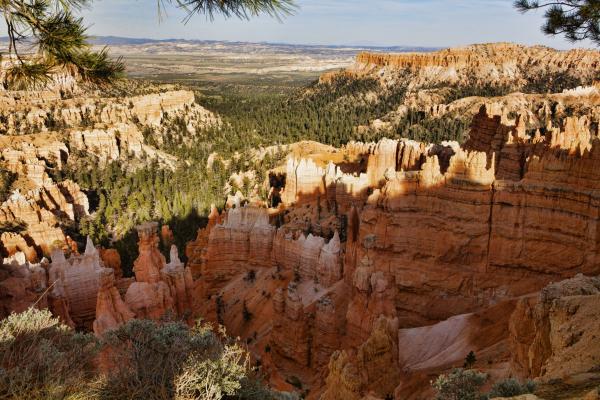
432 23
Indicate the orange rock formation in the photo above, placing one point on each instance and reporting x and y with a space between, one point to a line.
39 211
431 239
111 310
160 290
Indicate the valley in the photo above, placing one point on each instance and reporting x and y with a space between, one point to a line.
361 220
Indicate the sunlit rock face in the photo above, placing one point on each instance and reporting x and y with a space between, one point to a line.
242 241
75 283
494 64
29 114
440 239
40 211
305 181
553 333
372 368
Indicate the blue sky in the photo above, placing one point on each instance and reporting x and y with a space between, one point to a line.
346 22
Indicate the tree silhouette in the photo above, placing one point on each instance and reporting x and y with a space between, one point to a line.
576 19
244 9
470 360
43 35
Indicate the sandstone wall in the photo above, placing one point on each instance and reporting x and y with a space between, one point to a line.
49 113
424 234
39 211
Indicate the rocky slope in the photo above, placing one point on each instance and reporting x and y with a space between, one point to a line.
42 134
398 271
33 222
454 82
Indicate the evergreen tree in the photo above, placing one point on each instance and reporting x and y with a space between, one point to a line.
244 9
576 19
58 39
470 360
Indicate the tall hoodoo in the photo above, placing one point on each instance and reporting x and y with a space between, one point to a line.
179 279
160 290
111 310
150 261
149 296
75 284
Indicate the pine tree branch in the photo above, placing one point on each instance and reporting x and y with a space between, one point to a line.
243 9
575 19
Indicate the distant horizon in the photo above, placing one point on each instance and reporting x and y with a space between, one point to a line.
351 45
408 47
431 24
380 23
340 45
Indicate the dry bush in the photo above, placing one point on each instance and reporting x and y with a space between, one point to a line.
511 387
44 359
460 384
40 358
172 362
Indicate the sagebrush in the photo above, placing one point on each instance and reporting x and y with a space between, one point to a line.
41 358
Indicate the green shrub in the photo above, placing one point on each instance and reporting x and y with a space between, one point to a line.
510 388
460 384
43 359
40 358
172 362
212 378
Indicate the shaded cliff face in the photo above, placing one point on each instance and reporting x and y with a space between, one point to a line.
437 241
34 220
